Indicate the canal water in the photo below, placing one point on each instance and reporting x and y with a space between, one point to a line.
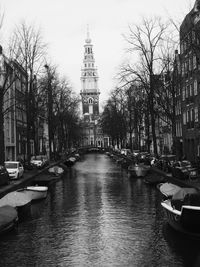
97 216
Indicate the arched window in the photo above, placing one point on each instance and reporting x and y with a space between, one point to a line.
90 101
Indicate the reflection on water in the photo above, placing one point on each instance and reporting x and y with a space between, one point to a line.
97 216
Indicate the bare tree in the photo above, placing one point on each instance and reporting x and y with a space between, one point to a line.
146 39
28 49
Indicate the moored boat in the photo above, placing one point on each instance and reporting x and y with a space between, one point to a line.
183 211
56 170
138 170
70 161
168 189
8 218
19 201
35 192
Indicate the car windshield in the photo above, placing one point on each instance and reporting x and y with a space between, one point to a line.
11 165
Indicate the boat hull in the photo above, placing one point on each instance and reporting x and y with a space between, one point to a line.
186 221
8 218
36 192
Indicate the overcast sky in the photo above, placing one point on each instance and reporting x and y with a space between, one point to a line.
64 26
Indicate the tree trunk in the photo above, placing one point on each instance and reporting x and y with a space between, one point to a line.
2 144
152 113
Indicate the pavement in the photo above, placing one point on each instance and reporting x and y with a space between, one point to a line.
28 177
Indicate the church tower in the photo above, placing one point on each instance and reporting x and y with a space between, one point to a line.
91 131
89 83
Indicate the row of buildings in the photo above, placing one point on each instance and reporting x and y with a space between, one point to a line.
186 79
13 81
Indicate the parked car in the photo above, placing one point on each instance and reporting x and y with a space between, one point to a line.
125 151
4 176
184 170
40 161
15 169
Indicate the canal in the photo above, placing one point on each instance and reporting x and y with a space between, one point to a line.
97 216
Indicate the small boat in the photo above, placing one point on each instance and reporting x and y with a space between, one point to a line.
183 211
19 201
35 192
70 161
168 189
8 218
77 156
56 170
138 170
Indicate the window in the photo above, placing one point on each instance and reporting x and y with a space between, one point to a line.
190 63
183 69
183 93
90 101
187 91
196 114
184 118
187 116
191 114
195 87
194 62
191 90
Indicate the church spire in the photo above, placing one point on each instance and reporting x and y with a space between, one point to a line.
88 40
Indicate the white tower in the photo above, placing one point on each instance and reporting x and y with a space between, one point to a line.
89 82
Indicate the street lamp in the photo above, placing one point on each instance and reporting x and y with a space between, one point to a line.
49 88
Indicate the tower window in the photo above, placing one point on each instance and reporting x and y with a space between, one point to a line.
90 101
85 65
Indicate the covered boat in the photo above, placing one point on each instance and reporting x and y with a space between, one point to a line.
35 192
56 170
8 218
19 201
183 211
168 189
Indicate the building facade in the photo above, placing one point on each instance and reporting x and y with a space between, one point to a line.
92 134
15 114
190 82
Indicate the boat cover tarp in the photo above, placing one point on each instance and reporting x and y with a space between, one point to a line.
186 196
169 189
7 215
14 199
